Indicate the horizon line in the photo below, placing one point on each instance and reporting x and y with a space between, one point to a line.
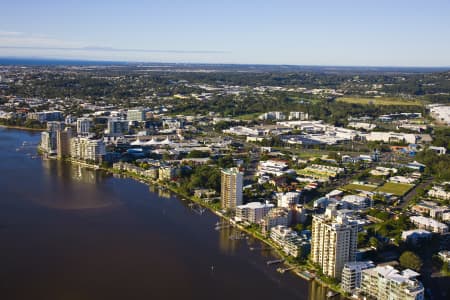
93 60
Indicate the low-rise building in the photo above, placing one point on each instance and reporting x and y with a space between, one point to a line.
275 217
438 150
288 199
439 212
357 202
151 172
440 112
45 116
402 179
414 235
273 167
432 209
166 173
323 172
204 193
429 224
253 212
446 216
289 241
391 137
172 123
243 131
387 283
352 273
298 115
439 192
424 207
362 125
272 115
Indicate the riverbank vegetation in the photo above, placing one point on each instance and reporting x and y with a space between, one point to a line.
22 123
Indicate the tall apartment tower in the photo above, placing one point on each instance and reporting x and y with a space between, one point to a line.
83 126
63 142
49 137
137 115
117 127
231 192
333 242
87 149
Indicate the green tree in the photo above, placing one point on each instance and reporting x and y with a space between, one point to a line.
362 239
225 161
445 268
299 227
410 260
198 154
374 242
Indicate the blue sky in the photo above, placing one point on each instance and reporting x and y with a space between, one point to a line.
320 32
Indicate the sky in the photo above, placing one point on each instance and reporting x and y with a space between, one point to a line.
294 32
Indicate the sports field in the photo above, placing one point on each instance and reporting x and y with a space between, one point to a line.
397 189
379 101
359 187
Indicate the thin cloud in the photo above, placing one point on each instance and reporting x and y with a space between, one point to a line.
10 33
148 50
109 49
21 41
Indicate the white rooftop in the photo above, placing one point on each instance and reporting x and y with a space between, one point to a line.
428 222
256 205
393 274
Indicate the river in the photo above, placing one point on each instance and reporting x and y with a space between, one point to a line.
68 233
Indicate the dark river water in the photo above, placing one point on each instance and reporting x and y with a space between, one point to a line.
68 233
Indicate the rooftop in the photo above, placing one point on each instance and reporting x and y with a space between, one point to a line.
255 205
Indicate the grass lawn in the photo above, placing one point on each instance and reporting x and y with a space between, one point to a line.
303 153
397 189
358 187
379 101
248 117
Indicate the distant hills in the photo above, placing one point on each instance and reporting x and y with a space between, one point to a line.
32 61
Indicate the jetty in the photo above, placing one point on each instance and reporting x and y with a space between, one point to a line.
275 261
283 270
260 249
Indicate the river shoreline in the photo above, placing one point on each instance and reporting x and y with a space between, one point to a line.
105 232
307 274
22 128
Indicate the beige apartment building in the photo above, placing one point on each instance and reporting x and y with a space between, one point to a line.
231 191
333 242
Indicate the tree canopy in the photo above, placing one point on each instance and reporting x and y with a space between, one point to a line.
410 260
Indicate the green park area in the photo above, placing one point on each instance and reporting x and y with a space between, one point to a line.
248 117
397 189
379 101
358 187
